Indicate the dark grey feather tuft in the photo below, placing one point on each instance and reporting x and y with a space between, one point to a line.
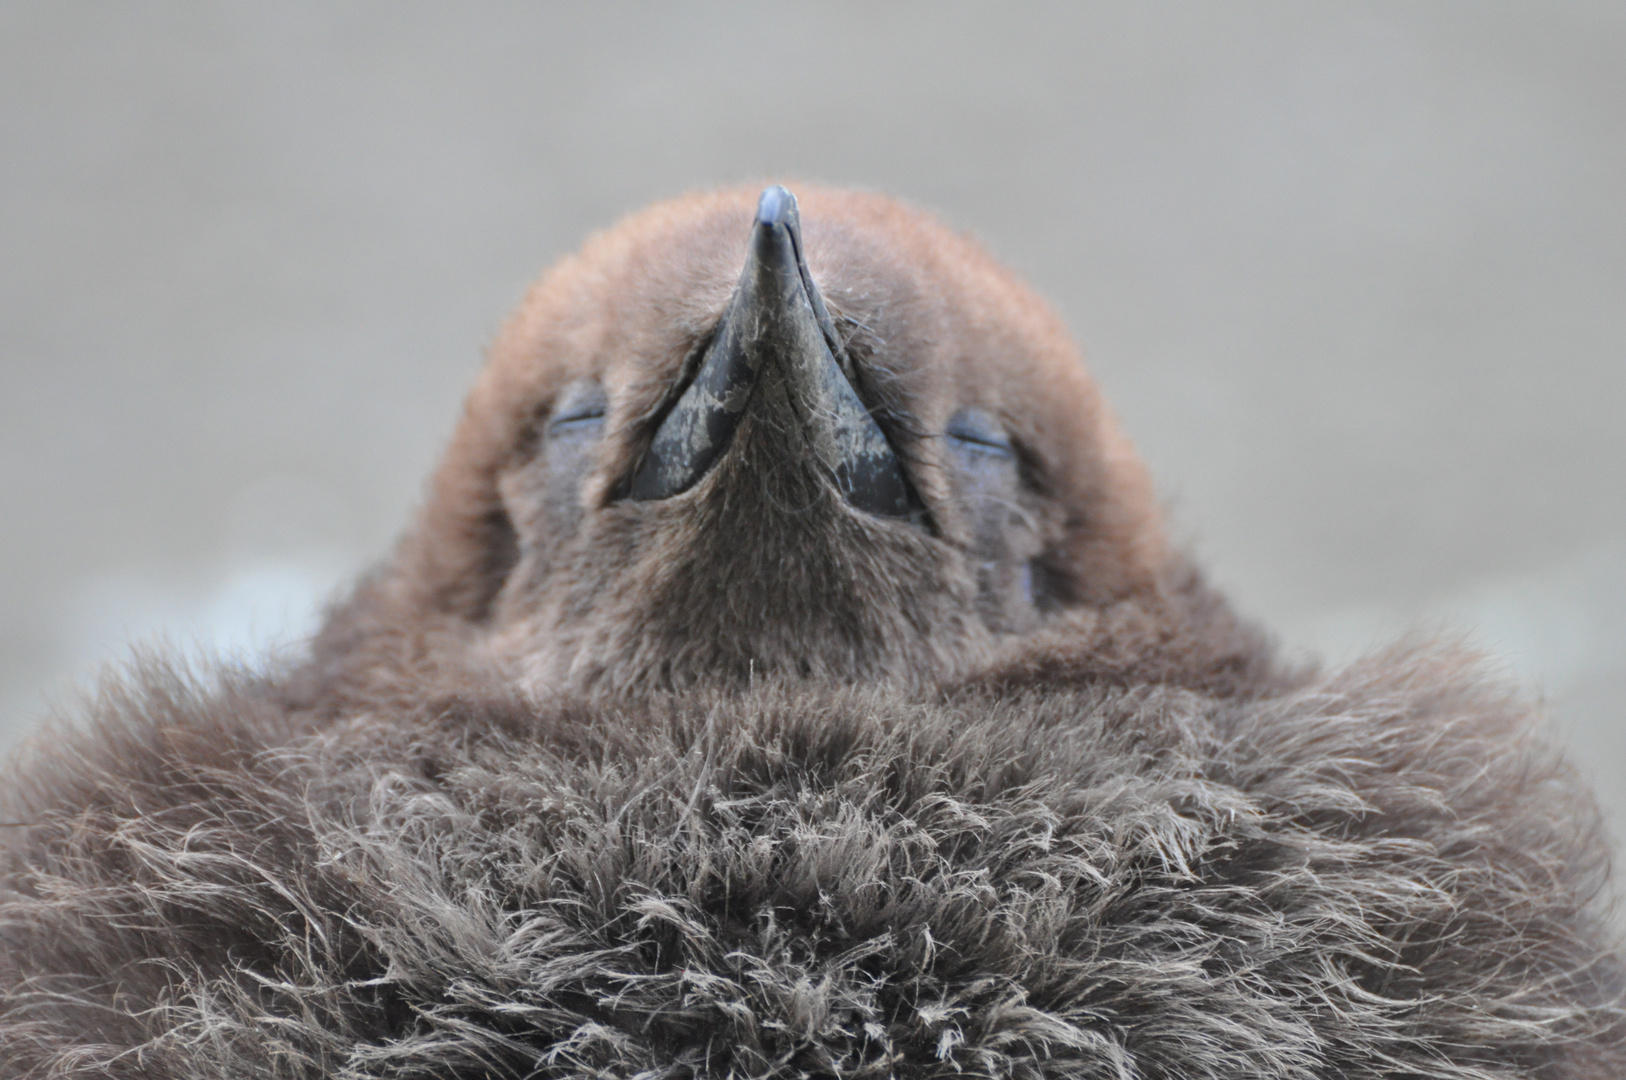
1380 874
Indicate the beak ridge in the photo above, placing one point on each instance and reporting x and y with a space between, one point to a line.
775 318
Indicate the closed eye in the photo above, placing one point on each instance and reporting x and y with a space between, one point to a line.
580 412
974 432
573 425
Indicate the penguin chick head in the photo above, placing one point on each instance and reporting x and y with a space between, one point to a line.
738 438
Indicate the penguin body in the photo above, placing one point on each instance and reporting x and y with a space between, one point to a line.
788 676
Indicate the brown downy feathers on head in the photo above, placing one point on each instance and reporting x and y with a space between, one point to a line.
788 676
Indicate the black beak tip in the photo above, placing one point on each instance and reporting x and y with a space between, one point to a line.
777 313
776 206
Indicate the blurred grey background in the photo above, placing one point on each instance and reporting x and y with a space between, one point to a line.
1354 274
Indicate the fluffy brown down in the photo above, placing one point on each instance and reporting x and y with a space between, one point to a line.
896 818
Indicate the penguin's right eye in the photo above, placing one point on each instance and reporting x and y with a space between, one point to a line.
570 441
580 413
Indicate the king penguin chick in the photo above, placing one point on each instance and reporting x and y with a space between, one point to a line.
870 455
788 676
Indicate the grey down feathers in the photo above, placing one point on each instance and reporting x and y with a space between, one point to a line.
1376 875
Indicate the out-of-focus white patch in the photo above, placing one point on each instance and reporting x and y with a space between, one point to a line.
283 563
288 544
1560 631
1556 627
249 613
254 609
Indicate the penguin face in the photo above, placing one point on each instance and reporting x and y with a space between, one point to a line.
737 438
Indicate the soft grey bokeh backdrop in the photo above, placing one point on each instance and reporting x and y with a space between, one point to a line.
1355 275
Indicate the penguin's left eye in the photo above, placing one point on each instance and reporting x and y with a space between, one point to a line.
986 473
978 438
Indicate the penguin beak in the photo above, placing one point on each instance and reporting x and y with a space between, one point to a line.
775 322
